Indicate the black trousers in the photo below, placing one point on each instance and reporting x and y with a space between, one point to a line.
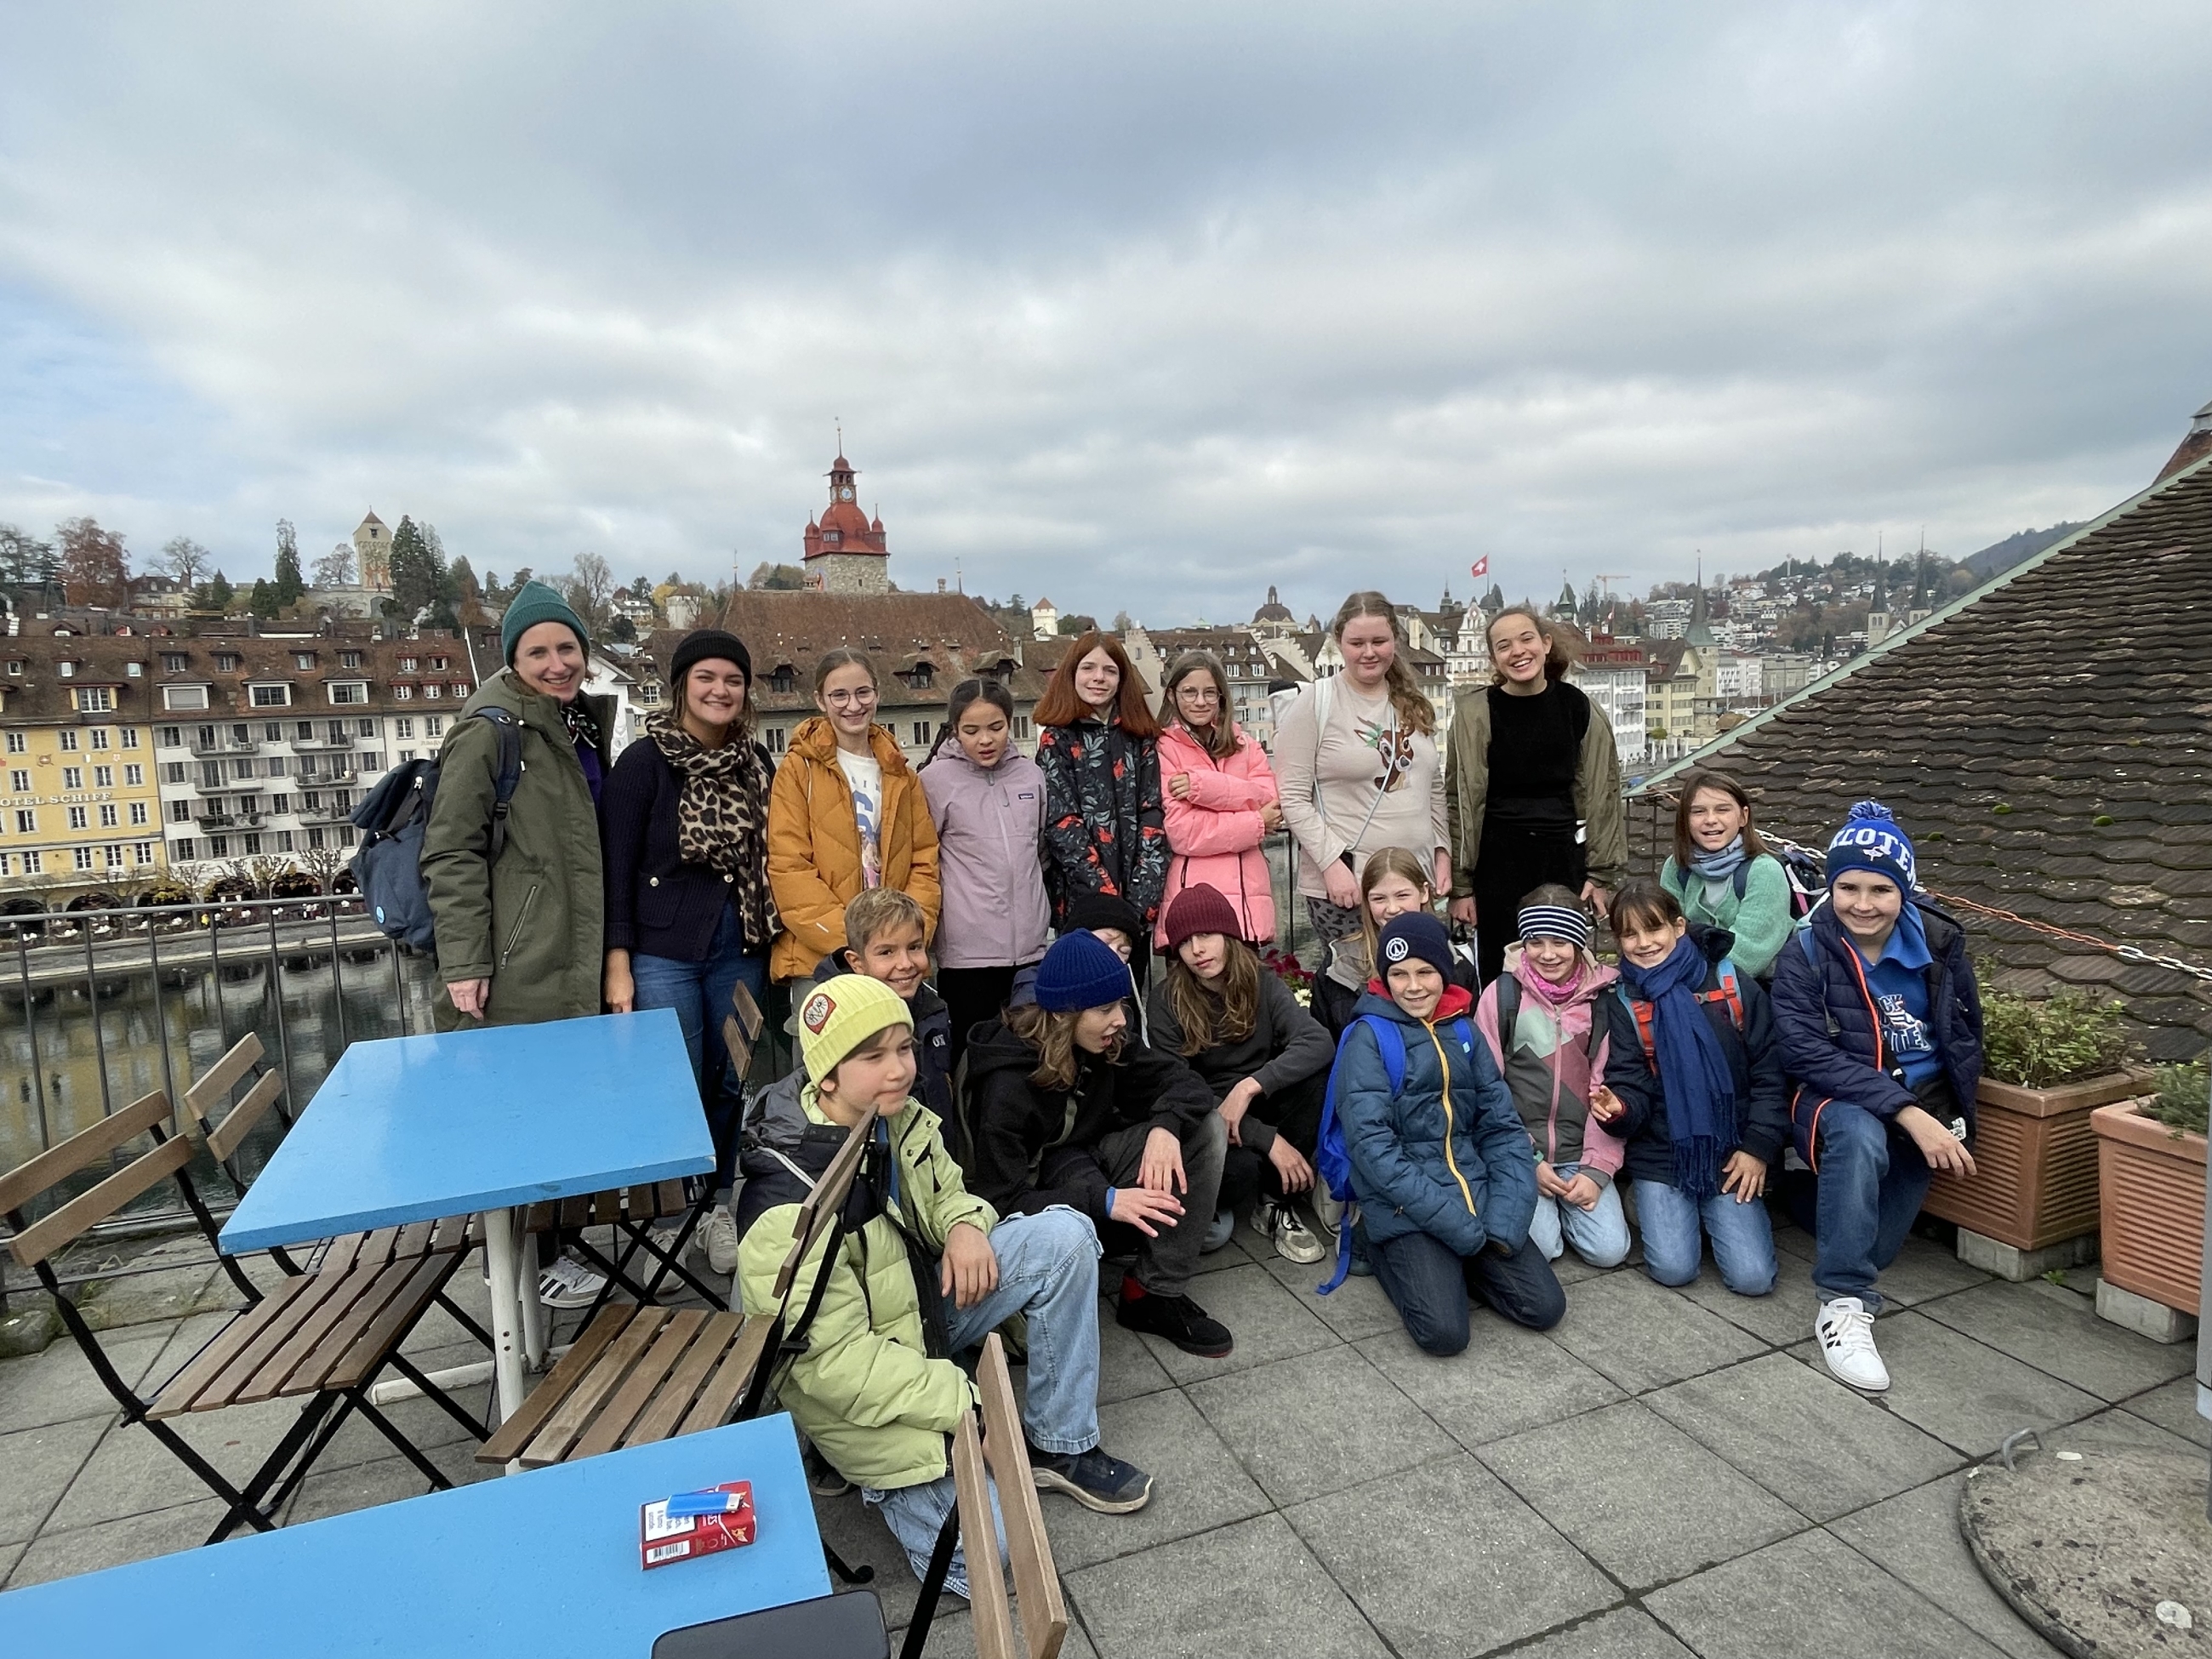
972 995
1295 1113
1515 862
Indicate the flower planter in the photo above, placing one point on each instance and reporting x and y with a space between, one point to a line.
2035 1163
2153 1183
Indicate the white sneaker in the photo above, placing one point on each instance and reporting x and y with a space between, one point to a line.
1293 1240
1846 1332
718 1236
663 1237
569 1284
1329 1211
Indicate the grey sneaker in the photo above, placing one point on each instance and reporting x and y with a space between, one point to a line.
1093 1480
718 1236
1284 1228
569 1284
1218 1231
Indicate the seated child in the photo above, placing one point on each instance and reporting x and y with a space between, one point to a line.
922 1253
1880 1026
1546 1021
1266 1059
1441 1166
1393 881
1696 1092
1070 1109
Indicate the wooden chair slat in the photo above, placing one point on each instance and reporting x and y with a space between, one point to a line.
748 1011
612 1419
979 1541
576 1211
571 1416
659 1419
669 1200
414 1240
57 1228
418 1286
821 1207
298 1353
259 1098
733 1039
712 1408
272 1333
221 1078
521 1428
343 1254
1036 1583
376 1248
26 1181
537 1217
178 1393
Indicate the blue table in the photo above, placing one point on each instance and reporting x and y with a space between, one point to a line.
414 1128
543 1565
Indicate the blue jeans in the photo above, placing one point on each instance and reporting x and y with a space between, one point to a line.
1048 1272
1428 1283
699 991
1743 1237
1872 1177
1600 1234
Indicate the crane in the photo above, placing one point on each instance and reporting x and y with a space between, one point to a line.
1607 582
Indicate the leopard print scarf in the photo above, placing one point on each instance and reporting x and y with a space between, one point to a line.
722 817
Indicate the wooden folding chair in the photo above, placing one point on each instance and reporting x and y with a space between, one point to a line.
641 1374
1005 1450
323 1335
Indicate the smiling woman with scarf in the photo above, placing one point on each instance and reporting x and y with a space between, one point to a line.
689 917
1697 1092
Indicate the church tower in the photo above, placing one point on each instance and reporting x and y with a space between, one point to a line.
845 552
372 554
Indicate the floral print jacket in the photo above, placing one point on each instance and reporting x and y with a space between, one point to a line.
1103 818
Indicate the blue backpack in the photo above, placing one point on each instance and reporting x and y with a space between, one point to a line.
392 817
1332 1164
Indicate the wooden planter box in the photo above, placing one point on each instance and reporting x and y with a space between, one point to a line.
2153 1179
2035 1163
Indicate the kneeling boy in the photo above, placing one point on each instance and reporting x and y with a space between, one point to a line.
872 1391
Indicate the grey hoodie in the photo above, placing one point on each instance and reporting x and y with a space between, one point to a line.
990 858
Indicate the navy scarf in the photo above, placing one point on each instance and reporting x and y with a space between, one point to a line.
1695 1079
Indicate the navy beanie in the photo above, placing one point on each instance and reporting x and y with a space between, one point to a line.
1081 971
1872 840
1416 936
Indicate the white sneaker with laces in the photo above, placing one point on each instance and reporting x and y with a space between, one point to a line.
1293 1240
569 1284
718 1236
1846 1332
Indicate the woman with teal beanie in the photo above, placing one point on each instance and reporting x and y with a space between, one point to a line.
1723 875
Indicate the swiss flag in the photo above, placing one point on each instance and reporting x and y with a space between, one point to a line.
1481 566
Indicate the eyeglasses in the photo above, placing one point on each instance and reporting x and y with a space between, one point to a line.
861 699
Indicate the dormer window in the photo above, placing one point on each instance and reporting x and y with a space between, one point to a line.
227 662
785 678
348 659
303 659
408 665
173 662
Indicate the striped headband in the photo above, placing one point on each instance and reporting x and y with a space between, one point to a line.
1555 921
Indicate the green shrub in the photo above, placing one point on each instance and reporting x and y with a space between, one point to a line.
2184 1096
2042 1043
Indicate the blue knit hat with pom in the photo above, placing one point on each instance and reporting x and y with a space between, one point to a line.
1872 840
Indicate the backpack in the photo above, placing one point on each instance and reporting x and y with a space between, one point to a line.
1726 991
1509 1013
392 817
1332 1163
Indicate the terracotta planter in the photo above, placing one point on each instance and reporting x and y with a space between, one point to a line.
2153 1181
2035 1163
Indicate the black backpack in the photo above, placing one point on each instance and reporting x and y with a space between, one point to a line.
392 817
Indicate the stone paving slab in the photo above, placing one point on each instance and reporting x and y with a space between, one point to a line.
1915 1537
1508 1379
1318 1424
1640 1335
2051 1329
1623 1633
40 1465
2172 1407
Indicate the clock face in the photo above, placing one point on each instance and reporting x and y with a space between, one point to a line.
846 494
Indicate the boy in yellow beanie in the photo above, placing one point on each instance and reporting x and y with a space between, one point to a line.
877 1389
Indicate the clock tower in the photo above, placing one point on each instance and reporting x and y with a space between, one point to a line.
845 552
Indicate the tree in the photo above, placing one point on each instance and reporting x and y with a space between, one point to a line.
214 594
622 630
642 590
1076 623
464 580
1122 623
334 567
289 584
26 562
776 578
262 601
421 584
183 558
95 569
589 589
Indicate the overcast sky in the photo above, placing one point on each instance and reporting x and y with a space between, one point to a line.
1143 305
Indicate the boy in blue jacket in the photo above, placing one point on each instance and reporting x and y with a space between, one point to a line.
1880 1027
1443 1169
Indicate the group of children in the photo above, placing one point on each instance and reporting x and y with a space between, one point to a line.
1043 1106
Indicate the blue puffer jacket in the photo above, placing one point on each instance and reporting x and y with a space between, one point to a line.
1825 1021
1448 1155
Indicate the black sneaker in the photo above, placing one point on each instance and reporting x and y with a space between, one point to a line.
821 1479
1092 1479
1177 1318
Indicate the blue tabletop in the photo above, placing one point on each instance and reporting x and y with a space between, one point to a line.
539 1564
413 1128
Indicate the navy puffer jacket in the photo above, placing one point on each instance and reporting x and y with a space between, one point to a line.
1447 1154
1829 1036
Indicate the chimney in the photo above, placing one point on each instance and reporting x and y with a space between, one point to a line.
2195 444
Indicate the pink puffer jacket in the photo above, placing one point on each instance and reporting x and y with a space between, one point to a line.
1214 836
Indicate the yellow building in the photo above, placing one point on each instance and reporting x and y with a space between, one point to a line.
80 805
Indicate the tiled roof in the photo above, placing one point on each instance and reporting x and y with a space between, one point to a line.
2047 743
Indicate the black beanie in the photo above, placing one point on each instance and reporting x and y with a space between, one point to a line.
704 645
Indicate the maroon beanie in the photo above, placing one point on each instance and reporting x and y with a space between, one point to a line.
1201 908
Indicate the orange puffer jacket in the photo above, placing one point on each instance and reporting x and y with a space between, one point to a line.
814 845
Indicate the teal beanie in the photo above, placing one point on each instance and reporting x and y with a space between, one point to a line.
534 603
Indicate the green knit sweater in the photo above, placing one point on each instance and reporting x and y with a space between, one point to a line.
1760 919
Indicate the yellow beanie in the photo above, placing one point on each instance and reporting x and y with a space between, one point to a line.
840 1015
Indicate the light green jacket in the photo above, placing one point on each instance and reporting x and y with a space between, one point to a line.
865 1391
1760 919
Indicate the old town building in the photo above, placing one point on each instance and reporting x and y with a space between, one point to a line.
79 810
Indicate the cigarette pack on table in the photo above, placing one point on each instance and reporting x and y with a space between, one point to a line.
663 1538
